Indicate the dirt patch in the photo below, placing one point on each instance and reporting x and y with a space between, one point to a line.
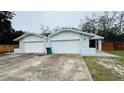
104 69
112 63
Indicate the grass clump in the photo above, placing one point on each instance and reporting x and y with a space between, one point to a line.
99 72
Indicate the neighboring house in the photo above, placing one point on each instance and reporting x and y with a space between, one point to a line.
67 41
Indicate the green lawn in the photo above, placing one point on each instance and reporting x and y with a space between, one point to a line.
99 72
117 52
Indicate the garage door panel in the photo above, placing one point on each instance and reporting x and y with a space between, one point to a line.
68 47
33 47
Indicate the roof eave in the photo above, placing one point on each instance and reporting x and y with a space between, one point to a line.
97 38
76 31
23 36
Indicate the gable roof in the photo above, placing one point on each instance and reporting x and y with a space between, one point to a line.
71 30
92 36
27 34
97 37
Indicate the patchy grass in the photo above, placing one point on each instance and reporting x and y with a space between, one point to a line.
99 72
3 54
121 59
119 52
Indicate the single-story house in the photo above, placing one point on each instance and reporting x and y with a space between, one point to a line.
66 41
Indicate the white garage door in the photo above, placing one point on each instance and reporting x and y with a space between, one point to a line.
67 47
33 47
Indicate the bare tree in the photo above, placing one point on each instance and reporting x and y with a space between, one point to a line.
88 24
109 24
45 30
121 21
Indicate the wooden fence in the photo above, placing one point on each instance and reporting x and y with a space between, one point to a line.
8 48
112 45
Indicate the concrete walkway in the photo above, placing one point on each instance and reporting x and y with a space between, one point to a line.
44 68
102 54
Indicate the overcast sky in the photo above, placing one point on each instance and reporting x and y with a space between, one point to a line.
31 20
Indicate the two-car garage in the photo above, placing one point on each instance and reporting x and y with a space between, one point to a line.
59 44
67 47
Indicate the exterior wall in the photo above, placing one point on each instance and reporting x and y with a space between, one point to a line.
20 49
88 51
66 36
64 42
30 38
17 50
99 45
47 42
84 46
84 41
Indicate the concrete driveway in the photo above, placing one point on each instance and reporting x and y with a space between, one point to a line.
45 68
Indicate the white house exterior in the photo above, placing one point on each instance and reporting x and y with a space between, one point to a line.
30 43
67 41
